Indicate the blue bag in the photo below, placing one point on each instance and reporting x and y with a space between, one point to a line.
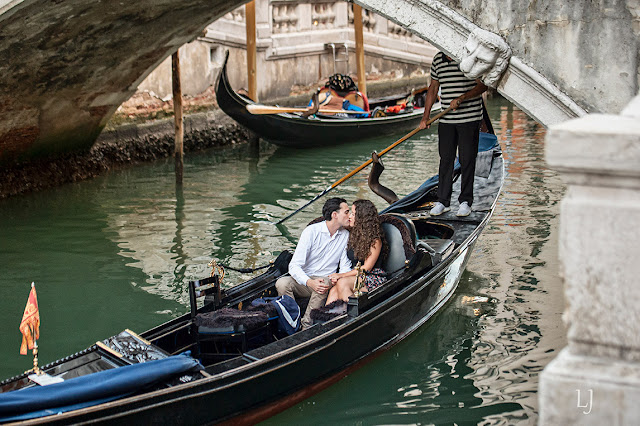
350 107
289 313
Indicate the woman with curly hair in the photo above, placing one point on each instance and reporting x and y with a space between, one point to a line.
366 245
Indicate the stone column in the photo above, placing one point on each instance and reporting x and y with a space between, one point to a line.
263 23
595 380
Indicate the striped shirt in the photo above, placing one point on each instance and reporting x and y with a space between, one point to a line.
452 85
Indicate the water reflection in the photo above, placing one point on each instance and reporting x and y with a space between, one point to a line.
177 248
518 254
428 378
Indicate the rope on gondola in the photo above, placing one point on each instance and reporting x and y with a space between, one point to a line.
251 270
281 263
246 270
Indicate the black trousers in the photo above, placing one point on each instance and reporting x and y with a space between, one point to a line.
463 138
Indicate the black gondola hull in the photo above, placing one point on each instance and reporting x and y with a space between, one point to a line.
294 131
266 381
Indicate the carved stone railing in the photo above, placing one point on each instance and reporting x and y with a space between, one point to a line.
236 15
296 17
369 19
323 15
284 17
396 31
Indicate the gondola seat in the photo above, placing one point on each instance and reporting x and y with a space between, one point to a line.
401 236
233 330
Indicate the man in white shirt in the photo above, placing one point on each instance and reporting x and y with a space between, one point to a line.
322 248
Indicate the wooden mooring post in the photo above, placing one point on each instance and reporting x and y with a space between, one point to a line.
357 24
177 110
250 18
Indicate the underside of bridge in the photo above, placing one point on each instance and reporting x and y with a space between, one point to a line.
67 65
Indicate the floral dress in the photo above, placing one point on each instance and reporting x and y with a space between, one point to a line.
374 278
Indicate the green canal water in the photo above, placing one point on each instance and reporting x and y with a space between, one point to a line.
116 252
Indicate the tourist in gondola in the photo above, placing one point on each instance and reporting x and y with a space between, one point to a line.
459 129
339 93
366 245
321 250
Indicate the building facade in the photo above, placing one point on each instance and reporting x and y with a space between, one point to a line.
298 44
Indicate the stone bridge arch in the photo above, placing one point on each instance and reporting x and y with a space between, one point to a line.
66 66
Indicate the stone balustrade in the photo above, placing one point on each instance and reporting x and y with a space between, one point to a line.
284 17
396 31
323 16
369 19
236 15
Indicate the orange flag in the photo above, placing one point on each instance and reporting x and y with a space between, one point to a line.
30 324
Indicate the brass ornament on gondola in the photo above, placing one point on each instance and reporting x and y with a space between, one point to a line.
216 269
357 285
36 369
378 113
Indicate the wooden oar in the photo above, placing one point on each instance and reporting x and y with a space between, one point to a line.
265 109
418 91
366 163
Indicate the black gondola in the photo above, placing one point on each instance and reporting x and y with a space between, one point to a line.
252 371
293 130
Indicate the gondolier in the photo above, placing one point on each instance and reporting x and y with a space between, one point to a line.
460 129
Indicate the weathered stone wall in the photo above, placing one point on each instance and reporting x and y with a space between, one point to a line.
569 58
196 72
589 49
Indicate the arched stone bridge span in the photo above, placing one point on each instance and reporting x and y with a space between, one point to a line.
65 66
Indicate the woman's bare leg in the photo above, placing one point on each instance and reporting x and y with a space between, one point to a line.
345 287
334 294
